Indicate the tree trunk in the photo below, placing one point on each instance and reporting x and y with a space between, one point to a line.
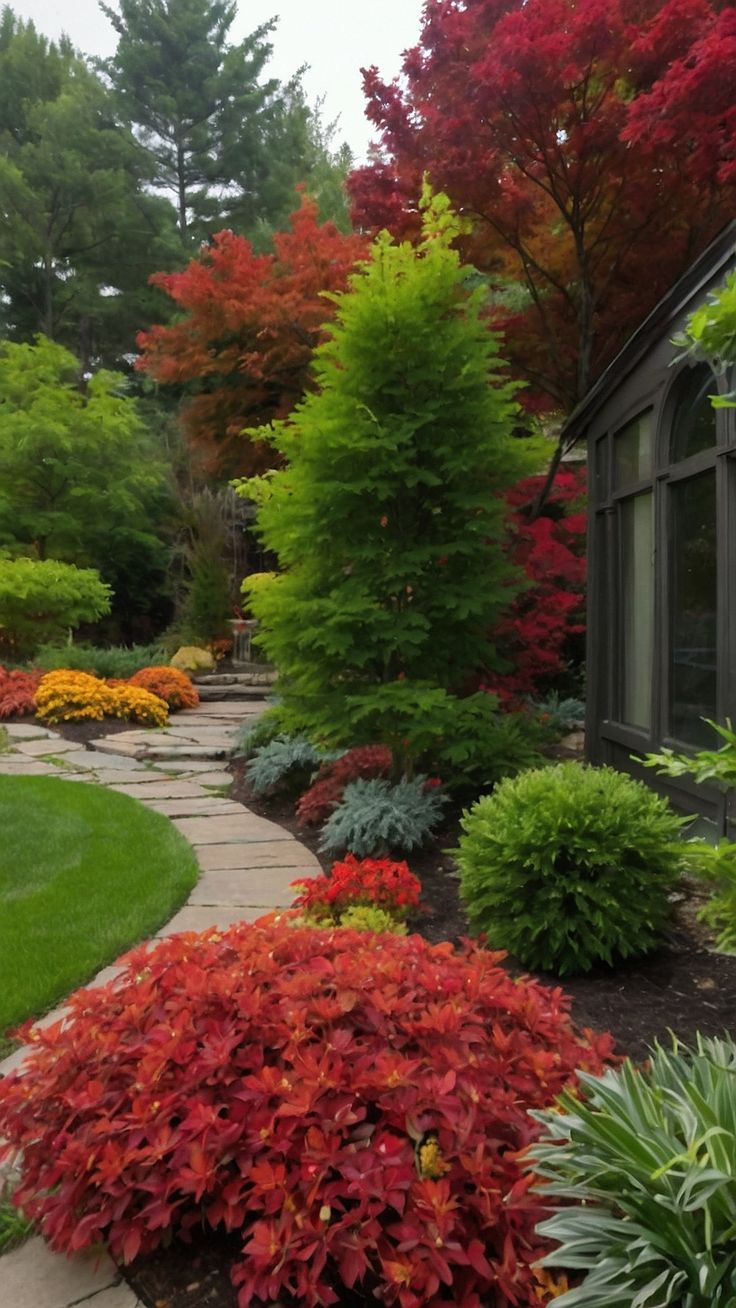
181 191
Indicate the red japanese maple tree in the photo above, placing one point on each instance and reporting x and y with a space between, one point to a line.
241 350
541 120
539 633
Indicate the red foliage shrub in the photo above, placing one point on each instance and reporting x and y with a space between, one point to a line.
537 633
352 1105
375 881
170 684
325 793
16 692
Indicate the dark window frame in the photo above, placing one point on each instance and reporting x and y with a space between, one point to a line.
607 602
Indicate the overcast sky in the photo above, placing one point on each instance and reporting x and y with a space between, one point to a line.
335 37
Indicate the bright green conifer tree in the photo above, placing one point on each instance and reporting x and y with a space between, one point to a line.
388 518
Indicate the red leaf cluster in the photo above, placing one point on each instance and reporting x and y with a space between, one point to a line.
352 1106
249 324
590 143
545 618
692 108
170 684
17 690
325 793
375 881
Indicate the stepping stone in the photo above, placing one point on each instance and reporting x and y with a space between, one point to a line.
259 854
28 731
57 745
34 1277
194 768
216 779
201 919
98 760
241 827
182 808
268 887
103 978
14 1060
15 765
126 776
162 789
119 746
183 751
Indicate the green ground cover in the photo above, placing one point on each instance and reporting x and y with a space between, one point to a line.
84 874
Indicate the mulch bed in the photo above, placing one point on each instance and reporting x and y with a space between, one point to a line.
685 987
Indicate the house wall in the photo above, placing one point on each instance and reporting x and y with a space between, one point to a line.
649 386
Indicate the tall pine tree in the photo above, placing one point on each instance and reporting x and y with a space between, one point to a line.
80 232
227 142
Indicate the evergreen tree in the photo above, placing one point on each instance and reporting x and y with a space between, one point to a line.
79 233
227 142
388 520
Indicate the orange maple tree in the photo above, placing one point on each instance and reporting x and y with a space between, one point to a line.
241 350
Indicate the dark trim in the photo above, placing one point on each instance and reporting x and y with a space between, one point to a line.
718 254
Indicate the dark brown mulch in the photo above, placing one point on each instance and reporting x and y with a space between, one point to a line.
684 987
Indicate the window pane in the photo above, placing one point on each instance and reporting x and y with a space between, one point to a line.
637 608
633 451
694 608
694 418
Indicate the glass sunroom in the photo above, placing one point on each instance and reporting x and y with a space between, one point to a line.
662 548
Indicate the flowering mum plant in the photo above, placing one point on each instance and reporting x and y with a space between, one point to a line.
171 685
69 696
352 1105
373 882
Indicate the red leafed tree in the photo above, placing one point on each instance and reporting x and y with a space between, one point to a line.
240 352
539 633
693 106
519 110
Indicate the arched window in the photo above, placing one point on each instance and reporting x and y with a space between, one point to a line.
693 415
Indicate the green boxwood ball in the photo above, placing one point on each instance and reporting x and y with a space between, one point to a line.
569 866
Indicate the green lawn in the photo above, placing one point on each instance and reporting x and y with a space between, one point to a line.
84 874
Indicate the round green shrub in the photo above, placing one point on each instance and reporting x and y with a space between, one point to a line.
569 866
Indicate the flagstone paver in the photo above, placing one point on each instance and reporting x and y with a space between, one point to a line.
261 854
34 1277
243 826
12 765
47 745
27 731
211 806
247 866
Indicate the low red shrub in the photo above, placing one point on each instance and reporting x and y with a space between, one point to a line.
326 791
16 692
375 881
353 1105
170 684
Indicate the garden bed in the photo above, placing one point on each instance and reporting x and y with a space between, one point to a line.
684 987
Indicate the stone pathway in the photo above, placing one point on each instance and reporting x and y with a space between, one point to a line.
247 864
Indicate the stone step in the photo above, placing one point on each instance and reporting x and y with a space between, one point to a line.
237 690
255 676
